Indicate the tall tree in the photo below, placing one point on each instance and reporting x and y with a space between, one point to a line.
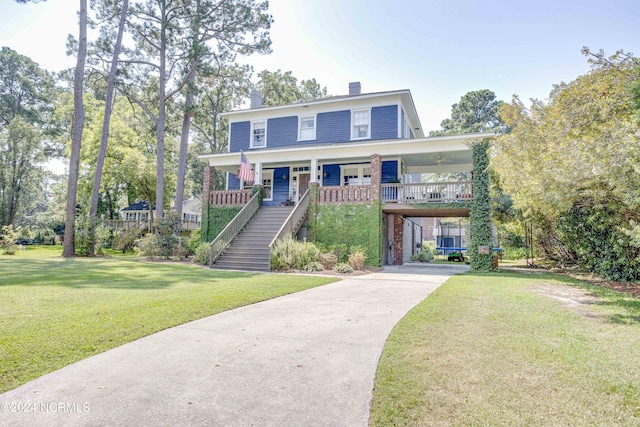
477 111
26 93
76 135
95 192
218 32
281 88
578 152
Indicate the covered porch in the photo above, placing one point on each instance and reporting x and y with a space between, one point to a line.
386 171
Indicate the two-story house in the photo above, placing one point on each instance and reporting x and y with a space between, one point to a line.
358 155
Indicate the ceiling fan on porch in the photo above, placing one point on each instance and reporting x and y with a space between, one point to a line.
440 160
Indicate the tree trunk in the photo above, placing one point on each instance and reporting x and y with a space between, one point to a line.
184 143
108 106
76 136
161 116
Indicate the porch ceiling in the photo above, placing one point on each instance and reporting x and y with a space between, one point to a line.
413 211
431 154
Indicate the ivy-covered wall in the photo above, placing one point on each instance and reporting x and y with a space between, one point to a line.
481 210
215 220
352 225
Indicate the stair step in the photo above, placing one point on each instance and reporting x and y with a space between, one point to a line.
250 249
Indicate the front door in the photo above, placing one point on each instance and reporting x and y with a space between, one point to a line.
303 184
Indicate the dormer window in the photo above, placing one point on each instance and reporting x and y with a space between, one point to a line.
258 134
307 128
360 124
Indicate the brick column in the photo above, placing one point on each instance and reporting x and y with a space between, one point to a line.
207 187
313 210
397 239
376 176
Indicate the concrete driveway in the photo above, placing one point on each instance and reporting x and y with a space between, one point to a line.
306 359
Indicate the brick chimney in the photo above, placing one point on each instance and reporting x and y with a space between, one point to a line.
354 88
256 99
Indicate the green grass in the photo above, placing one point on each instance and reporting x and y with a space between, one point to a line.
55 311
488 350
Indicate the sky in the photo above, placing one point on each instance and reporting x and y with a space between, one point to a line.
438 49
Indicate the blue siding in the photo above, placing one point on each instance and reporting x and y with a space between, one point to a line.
240 135
282 132
384 122
389 170
234 182
280 187
333 172
333 126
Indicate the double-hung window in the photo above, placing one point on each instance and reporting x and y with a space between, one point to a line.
307 128
356 174
258 134
360 124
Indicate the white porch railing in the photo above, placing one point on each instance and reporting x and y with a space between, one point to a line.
345 194
427 192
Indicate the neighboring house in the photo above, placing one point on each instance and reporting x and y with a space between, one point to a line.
139 212
359 154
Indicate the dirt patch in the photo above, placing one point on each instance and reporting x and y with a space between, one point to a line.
575 298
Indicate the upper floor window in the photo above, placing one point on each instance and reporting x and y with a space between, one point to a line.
258 134
307 129
360 124
407 128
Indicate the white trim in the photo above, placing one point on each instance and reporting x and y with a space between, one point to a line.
315 126
393 148
251 136
368 124
265 176
400 116
360 167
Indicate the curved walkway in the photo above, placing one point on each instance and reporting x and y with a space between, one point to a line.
305 359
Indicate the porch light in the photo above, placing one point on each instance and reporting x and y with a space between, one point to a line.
325 175
284 176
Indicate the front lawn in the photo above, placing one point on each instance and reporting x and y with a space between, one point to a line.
509 349
56 311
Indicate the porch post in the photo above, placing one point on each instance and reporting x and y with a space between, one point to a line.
207 187
258 180
314 170
376 176
313 211
398 228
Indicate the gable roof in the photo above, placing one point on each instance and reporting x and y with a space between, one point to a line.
141 205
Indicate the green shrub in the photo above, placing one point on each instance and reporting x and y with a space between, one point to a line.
328 260
340 250
8 239
343 268
356 259
429 245
202 253
514 253
90 233
148 246
313 266
194 241
170 243
290 254
422 256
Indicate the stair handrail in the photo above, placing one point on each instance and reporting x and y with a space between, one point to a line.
293 222
226 236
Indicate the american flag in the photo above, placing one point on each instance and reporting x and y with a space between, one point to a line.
245 173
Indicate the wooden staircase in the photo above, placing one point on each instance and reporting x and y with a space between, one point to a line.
250 249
